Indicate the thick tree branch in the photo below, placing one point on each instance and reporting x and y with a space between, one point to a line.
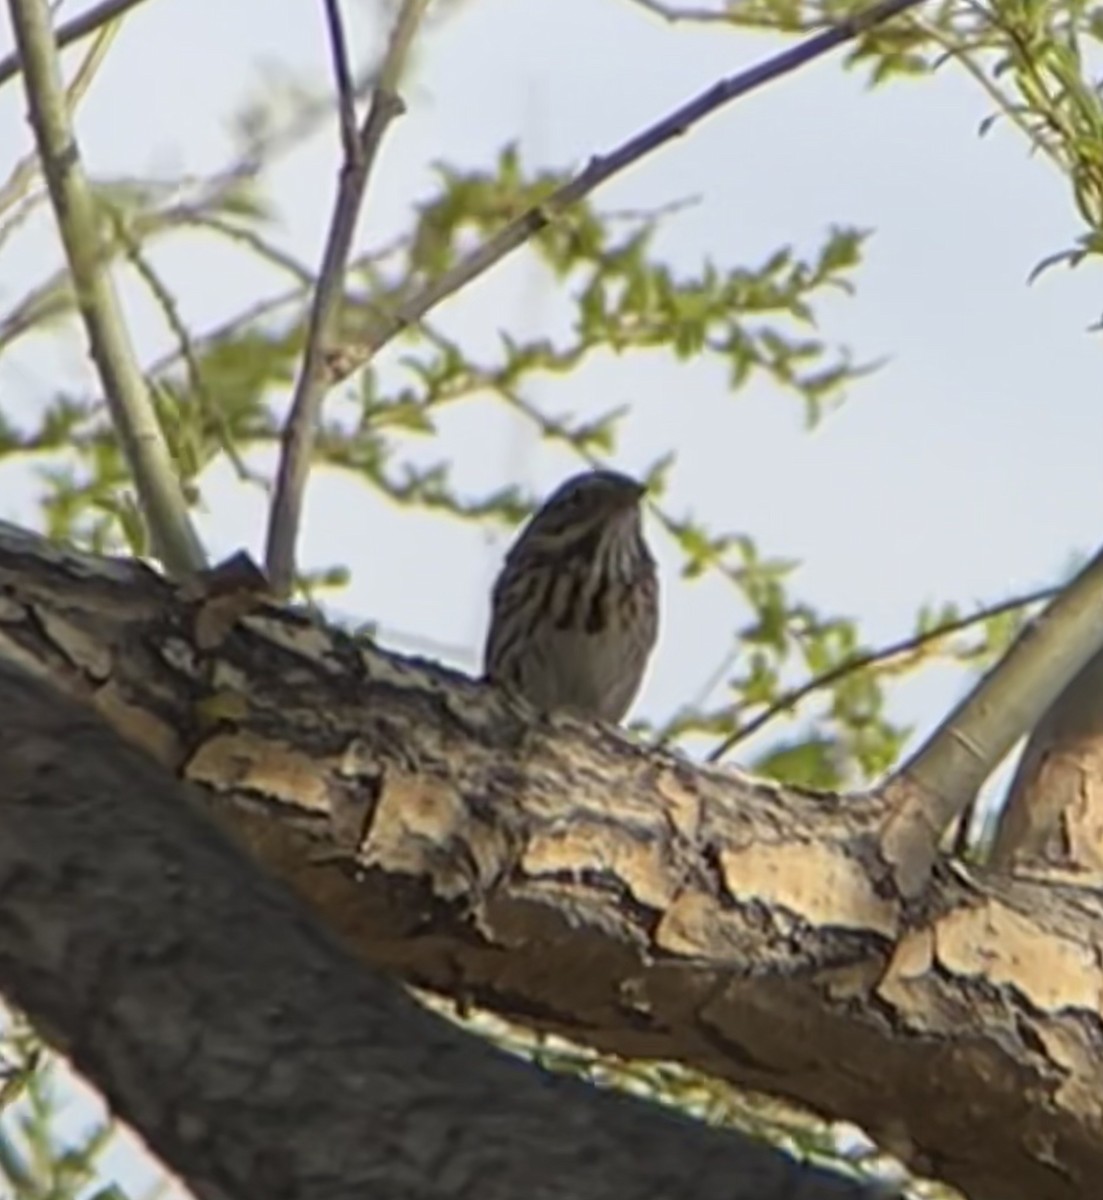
254 1056
559 874
937 784
140 435
314 378
1053 818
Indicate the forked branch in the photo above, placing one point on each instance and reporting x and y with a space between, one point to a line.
315 377
936 785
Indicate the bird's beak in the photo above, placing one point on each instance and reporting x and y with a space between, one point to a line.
627 500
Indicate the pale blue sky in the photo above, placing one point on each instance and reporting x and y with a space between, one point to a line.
965 469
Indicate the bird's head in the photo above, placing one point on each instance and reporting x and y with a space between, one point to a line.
587 515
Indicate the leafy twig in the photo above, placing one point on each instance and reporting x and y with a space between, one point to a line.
790 699
599 170
72 31
132 412
964 56
314 376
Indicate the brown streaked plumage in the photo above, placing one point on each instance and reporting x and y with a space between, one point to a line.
575 610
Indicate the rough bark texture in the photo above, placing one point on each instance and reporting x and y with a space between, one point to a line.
255 1055
1053 821
561 875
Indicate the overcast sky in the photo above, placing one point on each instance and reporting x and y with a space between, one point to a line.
965 468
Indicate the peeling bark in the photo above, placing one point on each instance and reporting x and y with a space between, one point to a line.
255 1056
1053 819
559 874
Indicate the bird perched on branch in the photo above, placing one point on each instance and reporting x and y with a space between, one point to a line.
575 610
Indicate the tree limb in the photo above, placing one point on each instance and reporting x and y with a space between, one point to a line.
1052 821
314 377
257 1058
557 873
937 784
132 413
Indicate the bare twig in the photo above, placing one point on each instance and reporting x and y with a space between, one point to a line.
132 413
905 646
674 13
47 302
342 76
314 376
72 31
262 247
599 170
735 17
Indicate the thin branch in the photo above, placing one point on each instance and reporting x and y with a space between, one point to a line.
72 31
266 147
261 246
953 763
599 170
673 14
314 377
342 75
255 313
11 225
790 699
47 302
964 56
14 189
170 310
53 298
132 412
